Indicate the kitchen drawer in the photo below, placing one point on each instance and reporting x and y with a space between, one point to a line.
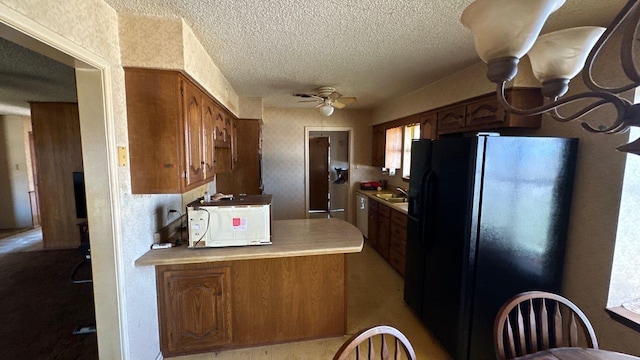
398 233
384 210
373 205
399 245
397 260
399 218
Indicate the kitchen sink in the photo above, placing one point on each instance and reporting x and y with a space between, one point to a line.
385 196
391 198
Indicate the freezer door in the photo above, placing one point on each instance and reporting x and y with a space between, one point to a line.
447 268
523 225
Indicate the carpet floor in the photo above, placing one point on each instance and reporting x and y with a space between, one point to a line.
40 307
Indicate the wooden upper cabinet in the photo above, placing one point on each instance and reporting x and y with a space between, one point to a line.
172 131
377 146
209 111
451 119
428 124
192 99
484 113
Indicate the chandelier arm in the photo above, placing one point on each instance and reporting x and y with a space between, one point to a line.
622 107
627 49
611 29
556 115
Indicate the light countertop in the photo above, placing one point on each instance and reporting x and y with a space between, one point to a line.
303 237
371 194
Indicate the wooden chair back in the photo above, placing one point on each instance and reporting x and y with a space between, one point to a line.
376 338
537 320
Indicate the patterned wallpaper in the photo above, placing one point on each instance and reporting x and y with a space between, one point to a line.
151 42
283 149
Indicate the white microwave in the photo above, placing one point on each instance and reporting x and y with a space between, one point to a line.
238 222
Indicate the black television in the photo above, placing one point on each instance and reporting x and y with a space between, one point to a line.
80 196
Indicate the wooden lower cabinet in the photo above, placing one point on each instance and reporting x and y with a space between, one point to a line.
372 224
398 241
389 227
384 213
224 305
196 309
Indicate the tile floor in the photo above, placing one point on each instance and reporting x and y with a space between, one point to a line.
375 293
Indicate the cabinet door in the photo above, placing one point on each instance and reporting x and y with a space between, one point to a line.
428 122
377 146
208 133
451 119
372 224
485 113
192 98
383 233
194 309
398 241
224 156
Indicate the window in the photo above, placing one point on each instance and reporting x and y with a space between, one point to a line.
624 285
393 148
410 132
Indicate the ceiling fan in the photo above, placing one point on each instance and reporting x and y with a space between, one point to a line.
327 98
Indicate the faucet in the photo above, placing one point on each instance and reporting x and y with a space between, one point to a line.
402 191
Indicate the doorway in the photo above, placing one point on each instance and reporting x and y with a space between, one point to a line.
328 159
93 78
319 158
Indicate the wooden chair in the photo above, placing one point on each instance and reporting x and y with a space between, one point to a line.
537 320
401 344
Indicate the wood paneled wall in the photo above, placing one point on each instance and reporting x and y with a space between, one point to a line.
56 133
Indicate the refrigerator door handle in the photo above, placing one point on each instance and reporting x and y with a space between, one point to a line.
423 202
428 225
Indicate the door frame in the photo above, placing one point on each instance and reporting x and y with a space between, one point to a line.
309 129
95 106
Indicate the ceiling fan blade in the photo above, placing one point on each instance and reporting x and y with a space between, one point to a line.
334 95
317 106
348 100
309 96
338 105
309 101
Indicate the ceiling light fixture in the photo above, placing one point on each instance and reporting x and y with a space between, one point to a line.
326 109
506 30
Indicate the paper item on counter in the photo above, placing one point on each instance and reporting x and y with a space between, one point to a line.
221 196
633 306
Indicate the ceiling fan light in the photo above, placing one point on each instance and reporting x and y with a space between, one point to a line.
562 54
506 28
326 109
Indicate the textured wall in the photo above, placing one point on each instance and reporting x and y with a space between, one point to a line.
199 65
283 146
151 42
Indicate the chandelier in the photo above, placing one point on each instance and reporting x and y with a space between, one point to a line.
505 30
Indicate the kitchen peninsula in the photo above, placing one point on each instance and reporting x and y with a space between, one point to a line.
221 298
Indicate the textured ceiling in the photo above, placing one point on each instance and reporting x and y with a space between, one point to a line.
28 76
375 50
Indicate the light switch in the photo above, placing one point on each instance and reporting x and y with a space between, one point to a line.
122 156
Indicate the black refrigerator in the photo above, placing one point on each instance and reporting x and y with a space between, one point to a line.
487 219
